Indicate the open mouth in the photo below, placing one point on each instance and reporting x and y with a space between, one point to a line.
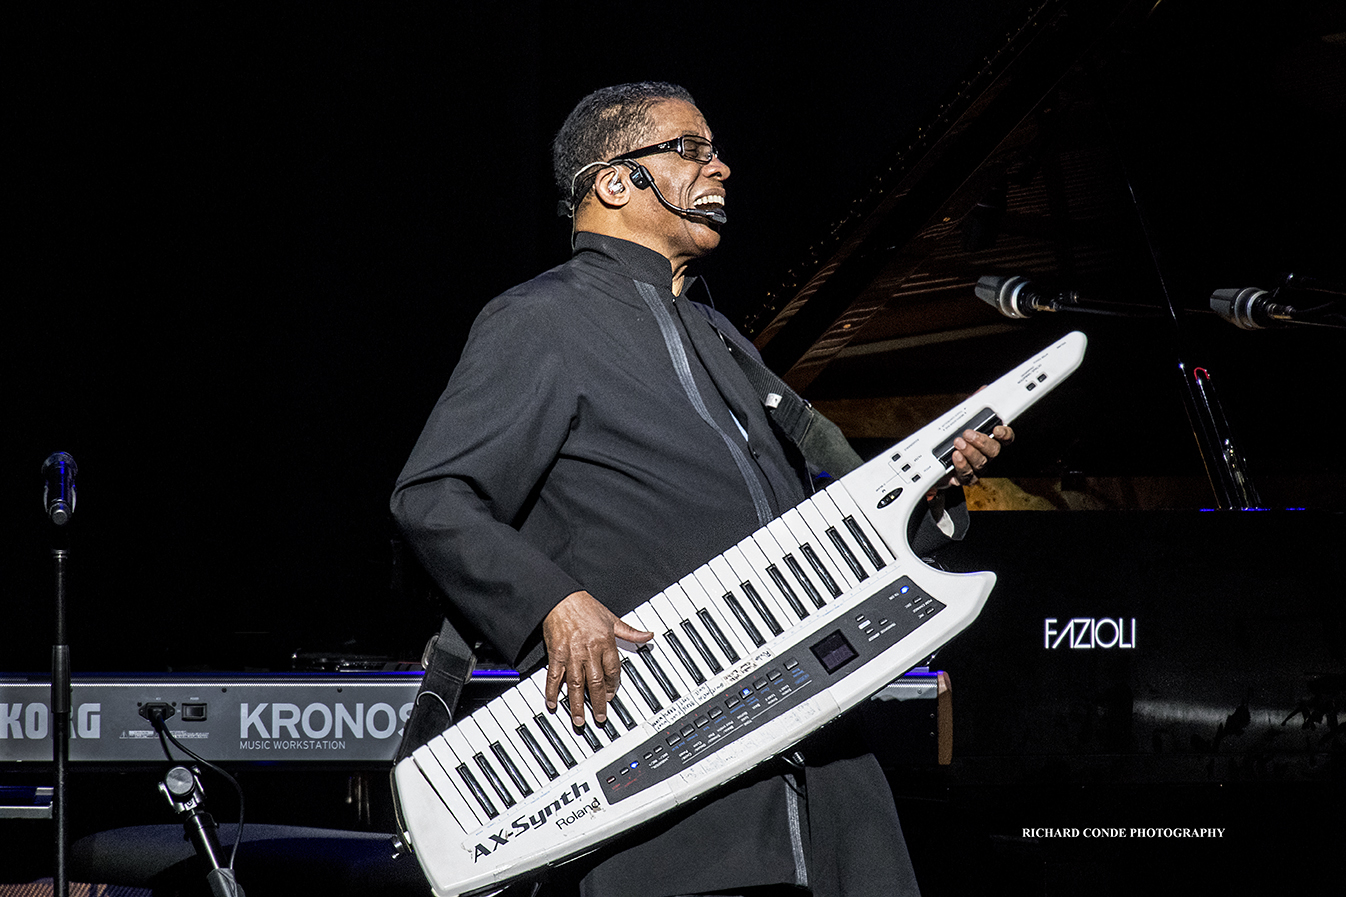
710 208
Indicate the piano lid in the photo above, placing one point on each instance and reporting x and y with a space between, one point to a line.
1142 155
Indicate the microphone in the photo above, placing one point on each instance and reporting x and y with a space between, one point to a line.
1015 297
1248 308
1297 300
1019 298
716 215
58 490
640 176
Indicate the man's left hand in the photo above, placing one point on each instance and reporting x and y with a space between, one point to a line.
973 451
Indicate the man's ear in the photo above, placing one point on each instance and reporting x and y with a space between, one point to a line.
611 188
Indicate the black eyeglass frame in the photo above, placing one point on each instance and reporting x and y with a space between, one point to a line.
677 145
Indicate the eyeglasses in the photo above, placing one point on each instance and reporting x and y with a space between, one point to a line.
689 146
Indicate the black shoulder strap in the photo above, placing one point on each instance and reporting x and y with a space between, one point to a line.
448 662
818 439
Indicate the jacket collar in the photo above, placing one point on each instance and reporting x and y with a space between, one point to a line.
631 259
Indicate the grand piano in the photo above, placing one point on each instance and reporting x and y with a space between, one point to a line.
1152 698
1165 651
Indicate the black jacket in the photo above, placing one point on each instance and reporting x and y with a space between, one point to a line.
566 455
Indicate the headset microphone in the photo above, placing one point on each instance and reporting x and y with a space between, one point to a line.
640 177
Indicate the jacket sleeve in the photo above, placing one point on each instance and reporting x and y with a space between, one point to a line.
926 536
475 469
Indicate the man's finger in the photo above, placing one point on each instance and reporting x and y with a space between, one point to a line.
629 633
974 448
555 673
575 696
964 474
612 674
598 695
986 445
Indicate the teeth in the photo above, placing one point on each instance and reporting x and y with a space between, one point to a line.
709 201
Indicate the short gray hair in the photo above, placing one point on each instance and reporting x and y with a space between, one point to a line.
606 123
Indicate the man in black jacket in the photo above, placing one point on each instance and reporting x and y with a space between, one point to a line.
596 443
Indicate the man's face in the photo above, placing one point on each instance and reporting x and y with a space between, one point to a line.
683 183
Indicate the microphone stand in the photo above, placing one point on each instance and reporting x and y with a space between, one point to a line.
60 711
60 723
58 499
182 788
1235 483
1226 469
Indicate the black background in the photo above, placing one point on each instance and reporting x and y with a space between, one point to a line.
249 247
246 247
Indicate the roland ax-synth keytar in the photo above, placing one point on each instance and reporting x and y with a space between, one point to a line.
754 650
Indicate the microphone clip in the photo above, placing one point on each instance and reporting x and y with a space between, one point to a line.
58 489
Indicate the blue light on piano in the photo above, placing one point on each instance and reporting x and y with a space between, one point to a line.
495 674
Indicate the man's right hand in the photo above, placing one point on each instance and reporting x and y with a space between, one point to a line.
581 636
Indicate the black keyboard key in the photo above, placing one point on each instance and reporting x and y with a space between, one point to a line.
543 761
641 688
847 555
701 647
584 731
554 739
865 545
715 633
683 657
817 564
622 712
494 778
605 725
515 776
475 787
652 664
804 582
788 593
757 602
742 616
